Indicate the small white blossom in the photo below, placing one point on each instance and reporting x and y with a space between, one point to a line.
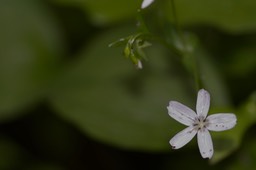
198 123
146 3
139 65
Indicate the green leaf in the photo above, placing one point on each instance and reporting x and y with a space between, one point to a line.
106 11
246 155
104 96
231 15
113 102
242 61
12 155
228 141
212 79
30 46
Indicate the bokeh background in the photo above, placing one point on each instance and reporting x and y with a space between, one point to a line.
69 102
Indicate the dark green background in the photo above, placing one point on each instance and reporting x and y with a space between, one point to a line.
69 102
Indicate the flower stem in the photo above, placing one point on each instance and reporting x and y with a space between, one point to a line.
189 59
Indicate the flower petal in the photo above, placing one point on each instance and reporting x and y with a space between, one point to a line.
183 137
181 113
203 103
146 3
205 143
221 121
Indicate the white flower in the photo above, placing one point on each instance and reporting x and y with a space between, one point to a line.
146 3
139 65
198 123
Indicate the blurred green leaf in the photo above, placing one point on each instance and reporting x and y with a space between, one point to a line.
234 16
228 141
246 155
197 60
242 61
106 11
108 99
44 166
212 79
30 46
12 156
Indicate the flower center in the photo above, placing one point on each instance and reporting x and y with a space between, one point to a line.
200 123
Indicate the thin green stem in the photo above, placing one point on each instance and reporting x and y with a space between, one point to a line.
186 54
198 82
191 63
176 22
142 25
174 13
